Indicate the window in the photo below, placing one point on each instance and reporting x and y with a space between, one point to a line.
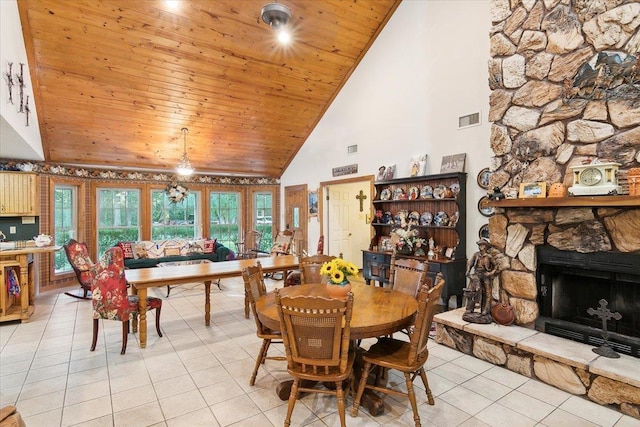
65 222
262 218
175 220
223 218
118 217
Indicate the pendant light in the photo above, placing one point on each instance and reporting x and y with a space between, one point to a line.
184 167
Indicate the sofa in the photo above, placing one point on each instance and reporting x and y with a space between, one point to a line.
149 253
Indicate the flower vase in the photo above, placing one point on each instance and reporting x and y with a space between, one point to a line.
338 291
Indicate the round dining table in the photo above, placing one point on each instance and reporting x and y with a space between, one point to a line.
376 312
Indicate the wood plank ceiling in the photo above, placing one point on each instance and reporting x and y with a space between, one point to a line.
115 81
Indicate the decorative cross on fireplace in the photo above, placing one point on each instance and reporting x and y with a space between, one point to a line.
605 314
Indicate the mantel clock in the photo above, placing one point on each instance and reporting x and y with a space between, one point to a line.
595 179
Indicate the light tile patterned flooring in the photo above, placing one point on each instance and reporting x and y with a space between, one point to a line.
197 375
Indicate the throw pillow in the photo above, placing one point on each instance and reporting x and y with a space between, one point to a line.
171 250
210 246
278 248
140 251
127 249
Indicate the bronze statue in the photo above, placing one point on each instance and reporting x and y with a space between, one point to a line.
481 268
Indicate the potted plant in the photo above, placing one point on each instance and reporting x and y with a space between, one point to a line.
338 272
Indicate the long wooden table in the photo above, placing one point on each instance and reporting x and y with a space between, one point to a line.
143 278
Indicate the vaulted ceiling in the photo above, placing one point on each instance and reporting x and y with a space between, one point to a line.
115 81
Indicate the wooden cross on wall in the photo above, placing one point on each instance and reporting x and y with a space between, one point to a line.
361 197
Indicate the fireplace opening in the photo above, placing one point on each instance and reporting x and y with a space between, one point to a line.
570 283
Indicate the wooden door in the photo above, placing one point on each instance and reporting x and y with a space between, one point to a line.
296 215
349 232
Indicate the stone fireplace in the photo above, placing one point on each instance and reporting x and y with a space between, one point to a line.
570 286
559 99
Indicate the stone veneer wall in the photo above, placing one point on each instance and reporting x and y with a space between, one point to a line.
542 124
544 121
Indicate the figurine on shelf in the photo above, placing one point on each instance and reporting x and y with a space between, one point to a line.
497 194
481 267
432 245
419 250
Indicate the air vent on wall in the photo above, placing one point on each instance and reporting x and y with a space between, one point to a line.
469 120
352 149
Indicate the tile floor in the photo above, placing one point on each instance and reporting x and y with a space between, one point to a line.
197 375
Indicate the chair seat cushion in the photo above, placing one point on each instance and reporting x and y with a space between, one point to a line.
152 302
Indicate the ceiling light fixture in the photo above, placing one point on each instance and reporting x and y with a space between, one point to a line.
276 15
184 167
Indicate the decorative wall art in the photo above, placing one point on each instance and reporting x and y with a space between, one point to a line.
11 80
10 83
313 203
453 163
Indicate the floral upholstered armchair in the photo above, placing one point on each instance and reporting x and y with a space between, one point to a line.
110 297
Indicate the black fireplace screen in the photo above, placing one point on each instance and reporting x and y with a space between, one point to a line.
570 283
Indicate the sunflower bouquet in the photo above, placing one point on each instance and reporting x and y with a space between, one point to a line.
338 270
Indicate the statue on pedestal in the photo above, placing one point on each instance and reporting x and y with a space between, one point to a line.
481 268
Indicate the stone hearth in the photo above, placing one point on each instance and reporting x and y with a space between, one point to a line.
564 364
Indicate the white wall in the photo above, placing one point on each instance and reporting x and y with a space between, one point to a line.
17 141
427 67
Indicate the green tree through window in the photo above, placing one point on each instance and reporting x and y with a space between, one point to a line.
175 220
65 223
118 217
224 208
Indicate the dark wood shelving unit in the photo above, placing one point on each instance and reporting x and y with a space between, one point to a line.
376 263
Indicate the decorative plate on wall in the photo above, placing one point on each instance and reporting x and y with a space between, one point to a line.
483 233
485 210
483 178
425 218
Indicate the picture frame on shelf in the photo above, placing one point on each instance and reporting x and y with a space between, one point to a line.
448 253
414 167
390 172
381 173
313 203
483 178
453 163
533 190
483 209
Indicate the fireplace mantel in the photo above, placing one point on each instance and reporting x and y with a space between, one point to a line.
567 202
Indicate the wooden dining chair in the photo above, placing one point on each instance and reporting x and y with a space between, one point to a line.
407 274
315 331
310 268
407 357
254 288
110 299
